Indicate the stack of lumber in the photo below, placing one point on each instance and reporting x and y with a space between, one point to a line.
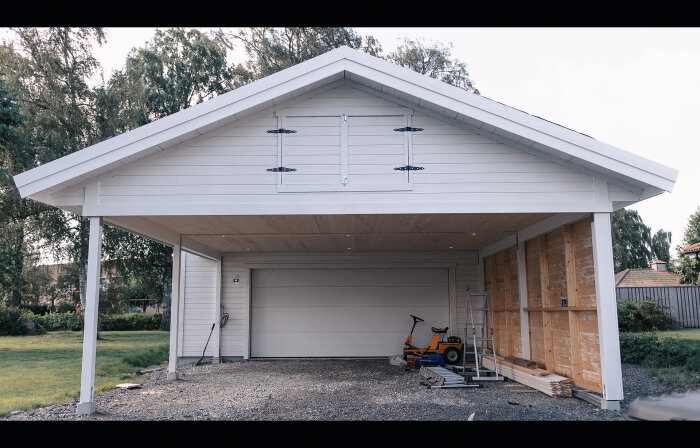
542 380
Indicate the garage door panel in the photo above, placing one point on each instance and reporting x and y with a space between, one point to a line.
320 319
364 344
341 296
344 312
349 277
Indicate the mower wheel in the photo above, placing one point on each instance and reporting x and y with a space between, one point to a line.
451 355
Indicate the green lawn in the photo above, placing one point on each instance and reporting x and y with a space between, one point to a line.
41 370
682 333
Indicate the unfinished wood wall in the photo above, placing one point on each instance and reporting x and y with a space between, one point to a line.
564 339
501 280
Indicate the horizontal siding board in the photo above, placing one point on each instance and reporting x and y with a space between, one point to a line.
328 198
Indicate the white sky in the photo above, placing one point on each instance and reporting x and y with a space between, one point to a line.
637 89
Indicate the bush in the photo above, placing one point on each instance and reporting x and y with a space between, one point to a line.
129 321
65 307
652 351
11 320
645 315
37 309
60 321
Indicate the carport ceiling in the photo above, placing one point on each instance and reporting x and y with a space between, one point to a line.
358 233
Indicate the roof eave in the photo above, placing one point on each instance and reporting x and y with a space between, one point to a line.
576 147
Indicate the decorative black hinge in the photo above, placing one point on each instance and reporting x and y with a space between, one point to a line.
281 169
281 131
408 168
408 129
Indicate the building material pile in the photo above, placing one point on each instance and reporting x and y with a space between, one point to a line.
441 377
542 380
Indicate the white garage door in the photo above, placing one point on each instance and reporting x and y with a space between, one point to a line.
344 312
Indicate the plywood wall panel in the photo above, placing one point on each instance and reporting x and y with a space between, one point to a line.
576 356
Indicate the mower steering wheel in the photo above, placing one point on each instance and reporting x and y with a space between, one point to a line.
416 318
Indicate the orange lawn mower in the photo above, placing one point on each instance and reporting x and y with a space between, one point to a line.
451 350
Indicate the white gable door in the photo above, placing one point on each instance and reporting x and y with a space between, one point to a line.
344 152
378 150
309 150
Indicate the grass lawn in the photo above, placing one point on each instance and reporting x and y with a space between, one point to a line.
41 370
682 333
678 376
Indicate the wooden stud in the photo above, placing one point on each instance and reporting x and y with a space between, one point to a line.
546 303
572 300
506 301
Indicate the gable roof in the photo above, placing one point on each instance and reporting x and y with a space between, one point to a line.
496 120
693 248
646 277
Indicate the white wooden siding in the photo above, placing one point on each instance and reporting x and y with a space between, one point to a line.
227 166
199 300
236 301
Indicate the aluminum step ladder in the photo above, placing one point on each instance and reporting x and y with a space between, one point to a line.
480 338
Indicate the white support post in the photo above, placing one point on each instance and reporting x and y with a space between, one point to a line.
86 406
175 312
522 291
217 316
608 336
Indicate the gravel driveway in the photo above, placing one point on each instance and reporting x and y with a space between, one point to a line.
332 390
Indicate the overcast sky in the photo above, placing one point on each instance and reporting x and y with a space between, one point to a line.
637 89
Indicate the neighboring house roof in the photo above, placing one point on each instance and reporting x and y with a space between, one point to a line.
693 248
500 122
646 277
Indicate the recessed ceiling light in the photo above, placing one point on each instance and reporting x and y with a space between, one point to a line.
450 247
348 248
473 233
247 248
347 234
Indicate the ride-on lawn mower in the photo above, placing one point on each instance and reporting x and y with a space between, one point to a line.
451 350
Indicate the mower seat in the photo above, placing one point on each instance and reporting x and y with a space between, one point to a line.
439 330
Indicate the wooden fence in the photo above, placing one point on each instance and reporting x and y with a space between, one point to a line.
683 301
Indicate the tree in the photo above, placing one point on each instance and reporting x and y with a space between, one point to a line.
11 256
661 245
689 266
177 69
435 61
631 240
49 69
274 49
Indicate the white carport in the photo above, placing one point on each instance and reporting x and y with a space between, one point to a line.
390 180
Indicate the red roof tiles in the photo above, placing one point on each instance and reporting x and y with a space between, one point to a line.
645 277
692 248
